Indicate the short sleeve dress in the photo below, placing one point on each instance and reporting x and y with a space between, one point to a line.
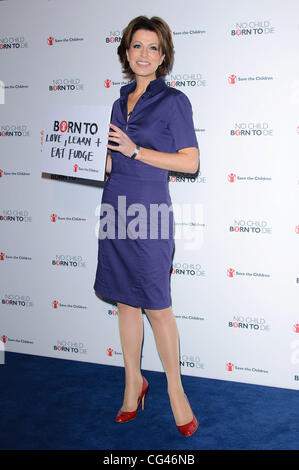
136 229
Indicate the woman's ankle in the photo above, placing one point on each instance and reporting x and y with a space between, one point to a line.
133 379
175 390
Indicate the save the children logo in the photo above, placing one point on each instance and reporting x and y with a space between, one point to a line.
13 173
55 218
52 40
189 32
234 273
109 83
111 352
233 79
9 257
231 367
55 304
232 178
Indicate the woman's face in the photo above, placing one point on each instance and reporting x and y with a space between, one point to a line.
144 54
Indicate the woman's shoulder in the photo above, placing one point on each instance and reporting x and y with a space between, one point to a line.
116 102
116 105
177 97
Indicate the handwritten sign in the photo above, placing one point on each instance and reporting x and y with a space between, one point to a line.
74 140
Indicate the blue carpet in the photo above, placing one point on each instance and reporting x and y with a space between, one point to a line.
49 403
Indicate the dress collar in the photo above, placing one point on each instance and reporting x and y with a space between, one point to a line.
152 89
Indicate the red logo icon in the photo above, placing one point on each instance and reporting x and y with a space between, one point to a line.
1 256
296 328
232 79
1 173
3 133
229 366
55 303
109 352
230 272
231 177
112 312
50 41
63 126
76 168
3 338
53 217
297 229
107 83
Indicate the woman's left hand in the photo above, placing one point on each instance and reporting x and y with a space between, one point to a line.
125 144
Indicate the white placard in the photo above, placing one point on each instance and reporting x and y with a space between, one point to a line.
74 140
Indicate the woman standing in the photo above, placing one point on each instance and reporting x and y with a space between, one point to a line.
151 132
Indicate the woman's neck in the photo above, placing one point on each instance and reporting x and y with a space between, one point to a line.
142 84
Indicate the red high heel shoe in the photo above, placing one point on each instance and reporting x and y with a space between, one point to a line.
125 416
189 428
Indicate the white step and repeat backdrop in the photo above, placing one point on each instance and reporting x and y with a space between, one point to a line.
235 293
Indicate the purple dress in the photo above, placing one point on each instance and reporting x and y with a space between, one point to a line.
136 236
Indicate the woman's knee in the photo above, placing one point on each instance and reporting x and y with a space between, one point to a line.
160 316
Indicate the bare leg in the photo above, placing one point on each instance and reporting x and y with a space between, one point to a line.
130 323
167 340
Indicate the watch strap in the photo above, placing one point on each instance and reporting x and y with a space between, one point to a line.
136 151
